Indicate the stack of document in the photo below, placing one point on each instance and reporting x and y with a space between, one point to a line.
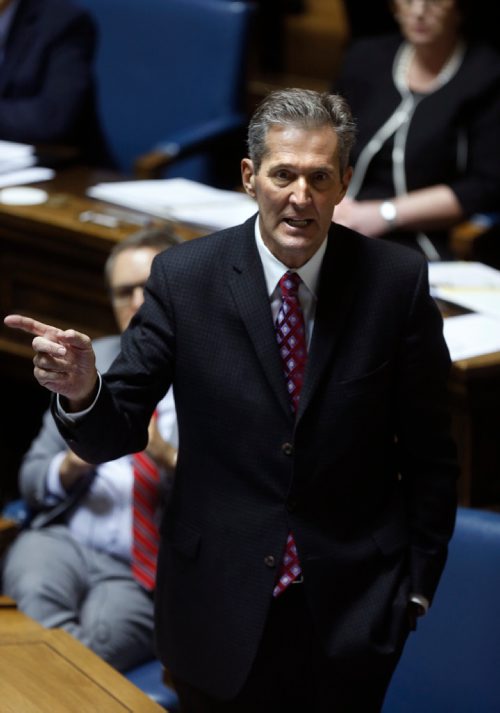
18 165
472 285
15 156
181 200
476 287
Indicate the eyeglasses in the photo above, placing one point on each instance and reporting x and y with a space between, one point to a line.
125 293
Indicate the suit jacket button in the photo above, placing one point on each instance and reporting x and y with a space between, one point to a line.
287 449
270 561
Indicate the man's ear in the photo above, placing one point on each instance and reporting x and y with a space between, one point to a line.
248 176
346 179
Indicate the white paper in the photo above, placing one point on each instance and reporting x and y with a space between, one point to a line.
470 335
483 301
472 285
463 274
179 199
27 175
15 156
10 149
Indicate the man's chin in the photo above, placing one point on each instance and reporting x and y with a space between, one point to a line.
295 250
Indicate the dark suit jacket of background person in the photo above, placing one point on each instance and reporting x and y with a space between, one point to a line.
365 478
469 102
46 79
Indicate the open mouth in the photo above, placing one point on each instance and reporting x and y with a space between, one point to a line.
298 223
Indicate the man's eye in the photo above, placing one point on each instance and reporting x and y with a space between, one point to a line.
282 175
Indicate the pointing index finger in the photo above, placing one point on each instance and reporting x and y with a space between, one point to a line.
32 326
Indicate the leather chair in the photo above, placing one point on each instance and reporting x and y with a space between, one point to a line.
171 81
451 663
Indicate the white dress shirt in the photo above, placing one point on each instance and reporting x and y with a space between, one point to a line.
309 274
103 518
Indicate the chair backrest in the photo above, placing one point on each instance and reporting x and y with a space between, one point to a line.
163 66
451 663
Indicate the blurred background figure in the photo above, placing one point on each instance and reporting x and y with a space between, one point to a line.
76 566
46 81
427 103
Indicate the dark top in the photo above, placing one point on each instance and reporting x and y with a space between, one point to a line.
46 78
452 134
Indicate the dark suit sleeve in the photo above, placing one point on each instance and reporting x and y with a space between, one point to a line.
135 383
427 457
49 82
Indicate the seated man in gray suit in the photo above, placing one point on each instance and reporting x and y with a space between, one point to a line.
72 567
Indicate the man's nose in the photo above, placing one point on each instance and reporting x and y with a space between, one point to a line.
301 194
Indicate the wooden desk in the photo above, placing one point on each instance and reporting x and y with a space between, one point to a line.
475 394
48 671
8 531
475 397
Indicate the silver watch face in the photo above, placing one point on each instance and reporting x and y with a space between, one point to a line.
388 211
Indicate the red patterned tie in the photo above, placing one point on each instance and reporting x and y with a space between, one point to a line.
145 535
291 335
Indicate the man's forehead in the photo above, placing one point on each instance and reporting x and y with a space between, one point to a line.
289 146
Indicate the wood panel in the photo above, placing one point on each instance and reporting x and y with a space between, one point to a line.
48 671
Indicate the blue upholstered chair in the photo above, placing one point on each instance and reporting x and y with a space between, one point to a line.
171 78
149 678
451 664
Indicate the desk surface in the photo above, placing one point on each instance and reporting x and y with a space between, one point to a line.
48 671
67 202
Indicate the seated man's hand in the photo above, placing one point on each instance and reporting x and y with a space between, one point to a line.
72 469
164 454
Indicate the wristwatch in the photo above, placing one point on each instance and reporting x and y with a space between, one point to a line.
388 212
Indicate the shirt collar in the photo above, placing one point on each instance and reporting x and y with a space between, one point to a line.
274 268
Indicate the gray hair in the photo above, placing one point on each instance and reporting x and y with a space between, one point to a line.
156 238
303 108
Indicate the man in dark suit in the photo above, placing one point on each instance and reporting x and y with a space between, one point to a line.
340 453
46 76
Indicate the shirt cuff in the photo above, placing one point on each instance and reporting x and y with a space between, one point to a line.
72 418
420 600
53 485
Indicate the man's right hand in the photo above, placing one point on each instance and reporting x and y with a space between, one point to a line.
72 469
64 360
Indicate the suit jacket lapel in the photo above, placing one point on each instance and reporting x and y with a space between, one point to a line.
336 290
248 286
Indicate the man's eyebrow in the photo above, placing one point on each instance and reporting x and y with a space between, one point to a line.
292 167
